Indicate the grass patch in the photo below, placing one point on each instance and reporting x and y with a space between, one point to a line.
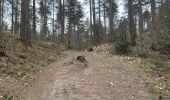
23 64
157 71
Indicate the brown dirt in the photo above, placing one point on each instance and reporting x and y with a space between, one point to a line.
102 79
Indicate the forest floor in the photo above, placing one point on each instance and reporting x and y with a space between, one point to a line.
104 78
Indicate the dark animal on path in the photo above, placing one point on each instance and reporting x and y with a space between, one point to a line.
82 59
160 98
90 50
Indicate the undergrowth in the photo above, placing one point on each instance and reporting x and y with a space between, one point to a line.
22 64
157 71
8 96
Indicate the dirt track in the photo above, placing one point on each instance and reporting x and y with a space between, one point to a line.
103 79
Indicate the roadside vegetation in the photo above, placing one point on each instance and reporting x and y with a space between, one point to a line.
156 69
18 65
21 63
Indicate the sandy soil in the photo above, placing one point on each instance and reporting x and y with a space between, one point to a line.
102 79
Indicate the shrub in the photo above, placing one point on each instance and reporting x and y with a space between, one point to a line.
165 49
139 52
23 56
122 48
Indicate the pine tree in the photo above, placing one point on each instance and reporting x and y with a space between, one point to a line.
141 22
131 22
25 25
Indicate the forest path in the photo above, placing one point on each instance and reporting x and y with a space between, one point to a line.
102 79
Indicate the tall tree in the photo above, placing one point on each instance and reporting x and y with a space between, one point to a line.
111 13
100 25
99 6
44 12
2 15
34 18
25 27
12 15
16 17
153 15
91 34
104 18
131 23
63 21
94 16
140 21
53 18
74 14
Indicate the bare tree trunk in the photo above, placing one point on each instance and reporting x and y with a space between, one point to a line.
104 6
2 24
99 25
141 22
53 19
12 21
0 15
16 17
111 15
63 21
94 20
60 20
153 15
34 34
34 18
99 10
91 34
70 30
153 12
45 19
70 36
25 31
94 12
131 23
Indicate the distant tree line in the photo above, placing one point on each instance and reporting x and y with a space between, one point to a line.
63 21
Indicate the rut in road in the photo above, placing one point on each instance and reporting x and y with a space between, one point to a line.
102 79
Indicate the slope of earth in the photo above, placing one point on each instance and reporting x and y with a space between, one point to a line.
103 79
18 66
